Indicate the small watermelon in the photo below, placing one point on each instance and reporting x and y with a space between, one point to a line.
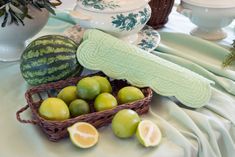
49 58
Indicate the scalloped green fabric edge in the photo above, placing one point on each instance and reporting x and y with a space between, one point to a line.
120 60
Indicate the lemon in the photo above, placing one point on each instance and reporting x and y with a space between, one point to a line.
78 107
148 133
83 134
129 94
105 101
54 109
88 88
105 86
68 94
124 123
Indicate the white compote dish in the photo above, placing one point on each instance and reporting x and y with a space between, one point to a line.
121 18
209 15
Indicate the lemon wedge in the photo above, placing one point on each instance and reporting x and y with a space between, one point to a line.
148 133
83 134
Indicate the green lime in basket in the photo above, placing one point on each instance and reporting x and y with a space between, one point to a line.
68 94
88 88
105 86
78 107
129 94
105 101
54 109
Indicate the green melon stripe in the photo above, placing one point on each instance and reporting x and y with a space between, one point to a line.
78 71
54 77
50 78
48 50
49 71
52 40
40 46
42 71
47 62
57 37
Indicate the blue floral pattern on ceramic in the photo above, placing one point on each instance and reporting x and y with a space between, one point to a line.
130 21
99 4
144 16
150 39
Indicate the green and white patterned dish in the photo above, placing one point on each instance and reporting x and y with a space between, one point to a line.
148 38
130 21
110 6
99 4
121 18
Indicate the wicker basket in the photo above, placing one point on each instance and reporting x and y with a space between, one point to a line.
160 12
56 130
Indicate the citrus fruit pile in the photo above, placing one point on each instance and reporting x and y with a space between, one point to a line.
72 101
95 93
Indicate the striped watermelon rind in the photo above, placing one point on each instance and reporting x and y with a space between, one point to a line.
50 58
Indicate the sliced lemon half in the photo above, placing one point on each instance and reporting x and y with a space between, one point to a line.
148 133
83 134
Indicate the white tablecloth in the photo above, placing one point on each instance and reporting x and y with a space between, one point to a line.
205 132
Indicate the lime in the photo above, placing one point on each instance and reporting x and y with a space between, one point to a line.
125 122
105 101
148 133
105 86
54 109
78 107
83 135
68 94
129 94
88 88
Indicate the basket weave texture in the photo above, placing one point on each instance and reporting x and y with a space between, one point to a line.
56 130
160 12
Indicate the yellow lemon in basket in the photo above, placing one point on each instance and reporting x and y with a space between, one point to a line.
105 86
83 134
129 94
68 94
54 109
125 122
105 101
88 88
148 133
79 107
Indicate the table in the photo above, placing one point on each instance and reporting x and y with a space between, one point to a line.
204 132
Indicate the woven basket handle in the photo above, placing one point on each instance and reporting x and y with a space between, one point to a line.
24 121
